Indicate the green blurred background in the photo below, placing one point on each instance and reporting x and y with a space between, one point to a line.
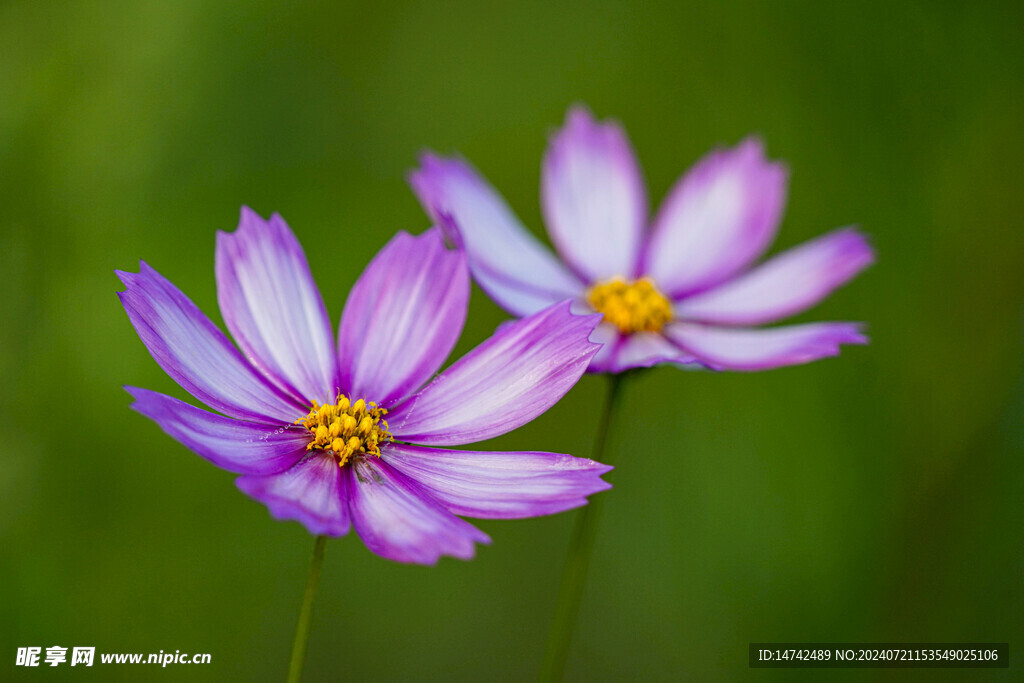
876 496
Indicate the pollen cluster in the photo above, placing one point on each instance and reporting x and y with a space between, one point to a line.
346 429
632 306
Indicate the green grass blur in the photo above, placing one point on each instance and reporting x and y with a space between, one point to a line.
876 496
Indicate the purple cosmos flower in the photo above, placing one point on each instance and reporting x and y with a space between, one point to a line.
683 290
326 436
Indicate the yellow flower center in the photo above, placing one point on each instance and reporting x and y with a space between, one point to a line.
632 306
345 429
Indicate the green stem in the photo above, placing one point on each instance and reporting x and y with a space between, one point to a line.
306 613
574 575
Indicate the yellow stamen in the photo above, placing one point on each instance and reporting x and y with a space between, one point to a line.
365 426
345 429
631 305
348 425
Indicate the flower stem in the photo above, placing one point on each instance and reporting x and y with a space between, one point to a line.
306 613
574 575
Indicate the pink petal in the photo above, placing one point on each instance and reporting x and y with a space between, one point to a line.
645 350
593 197
505 382
718 218
509 263
608 336
273 308
497 485
196 354
787 284
397 519
402 318
762 349
314 491
234 445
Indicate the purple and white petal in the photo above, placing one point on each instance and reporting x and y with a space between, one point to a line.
509 263
787 284
314 491
237 446
402 318
645 350
273 308
593 197
495 485
196 354
717 219
505 382
398 520
723 348
608 336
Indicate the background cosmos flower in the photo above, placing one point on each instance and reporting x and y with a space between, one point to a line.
325 436
682 291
